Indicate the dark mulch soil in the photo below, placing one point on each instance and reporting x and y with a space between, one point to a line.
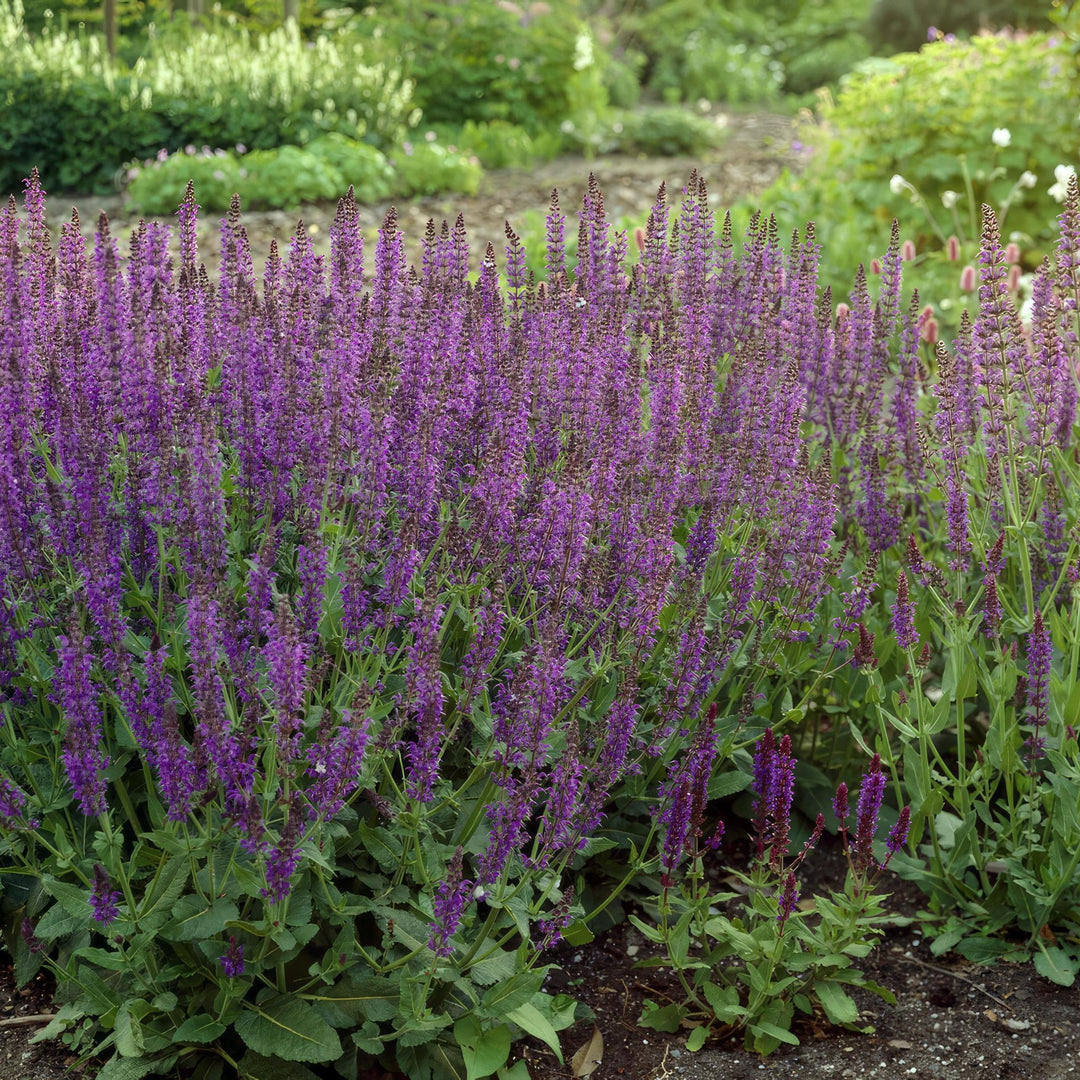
953 1019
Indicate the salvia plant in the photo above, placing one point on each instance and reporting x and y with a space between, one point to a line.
338 606
750 972
349 614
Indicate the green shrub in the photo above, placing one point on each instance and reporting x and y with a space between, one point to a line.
476 60
742 52
78 115
665 132
498 144
264 179
362 166
429 168
896 25
930 117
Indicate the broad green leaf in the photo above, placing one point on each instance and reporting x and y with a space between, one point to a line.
59 923
839 1008
495 968
121 1068
666 1019
198 1029
257 1067
518 1071
484 1051
351 1001
283 1026
1057 965
696 1039
531 1020
195 920
774 1032
127 1033
504 996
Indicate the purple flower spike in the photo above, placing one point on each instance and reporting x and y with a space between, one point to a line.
789 897
867 809
104 899
232 963
448 907
898 835
903 615
1040 654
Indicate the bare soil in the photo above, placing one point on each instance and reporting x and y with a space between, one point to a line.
953 1020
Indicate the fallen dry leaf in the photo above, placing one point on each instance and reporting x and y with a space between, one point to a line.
589 1056
900 1044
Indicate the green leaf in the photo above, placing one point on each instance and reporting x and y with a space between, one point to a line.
127 1033
774 1032
283 1026
1057 965
981 950
59 923
495 968
668 1018
195 920
198 1029
839 1008
696 1039
257 1067
351 1001
484 1051
518 1071
121 1068
531 1020
508 995
165 1002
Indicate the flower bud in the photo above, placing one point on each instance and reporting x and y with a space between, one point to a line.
1001 137
907 251
952 249
949 199
1012 252
967 279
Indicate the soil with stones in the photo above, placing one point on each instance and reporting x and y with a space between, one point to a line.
754 149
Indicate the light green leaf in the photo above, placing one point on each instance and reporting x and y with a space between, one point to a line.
531 1020
195 920
283 1026
1057 965
839 1008
484 1051
696 1039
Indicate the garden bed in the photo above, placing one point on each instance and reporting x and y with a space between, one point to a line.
953 1019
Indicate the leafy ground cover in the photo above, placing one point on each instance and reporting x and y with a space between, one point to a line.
951 1018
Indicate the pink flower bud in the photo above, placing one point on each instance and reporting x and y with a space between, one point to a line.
1012 253
952 249
928 331
842 312
639 238
967 279
875 266
1014 278
907 251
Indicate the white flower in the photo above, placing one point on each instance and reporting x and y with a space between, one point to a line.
898 185
1028 179
1062 174
949 199
1001 137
